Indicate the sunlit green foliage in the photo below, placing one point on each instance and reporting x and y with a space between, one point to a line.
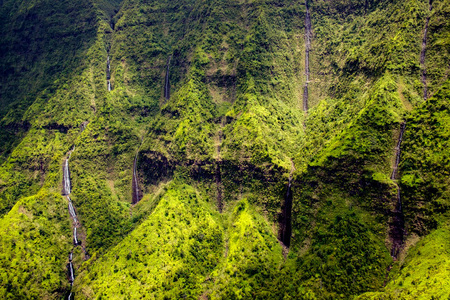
168 256
35 239
423 274
233 129
426 163
252 258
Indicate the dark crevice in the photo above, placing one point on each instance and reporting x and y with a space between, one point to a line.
286 213
167 81
286 217
108 71
397 226
218 176
137 195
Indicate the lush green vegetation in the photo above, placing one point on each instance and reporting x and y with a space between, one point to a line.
34 245
424 272
425 164
171 253
229 138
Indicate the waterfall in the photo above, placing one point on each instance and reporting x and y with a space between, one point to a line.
66 191
75 240
423 52
66 178
71 279
397 226
135 184
307 50
108 66
398 151
166 81
108 72
72 211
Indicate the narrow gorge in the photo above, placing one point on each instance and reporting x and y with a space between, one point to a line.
108 72
136 195
166 80
397 226
224 149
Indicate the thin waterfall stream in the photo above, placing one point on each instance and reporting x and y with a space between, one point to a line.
108 71
167 81
136 197
66 191
423 52
397 227
307 50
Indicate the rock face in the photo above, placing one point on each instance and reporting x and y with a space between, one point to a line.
223 98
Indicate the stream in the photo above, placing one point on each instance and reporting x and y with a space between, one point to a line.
307 50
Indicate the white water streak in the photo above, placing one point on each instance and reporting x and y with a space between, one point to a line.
71 272
135 178
66 177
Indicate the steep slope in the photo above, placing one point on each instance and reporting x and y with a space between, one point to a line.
42 43
193 148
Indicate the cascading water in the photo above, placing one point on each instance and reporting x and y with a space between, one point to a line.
72 211
166 81
75 240
71 278
66 191
66 178
135 185
108 72
397 227
307 50
423 52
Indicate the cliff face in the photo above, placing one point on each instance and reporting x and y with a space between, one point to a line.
223 149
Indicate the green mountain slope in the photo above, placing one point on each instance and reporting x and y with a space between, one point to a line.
214 153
